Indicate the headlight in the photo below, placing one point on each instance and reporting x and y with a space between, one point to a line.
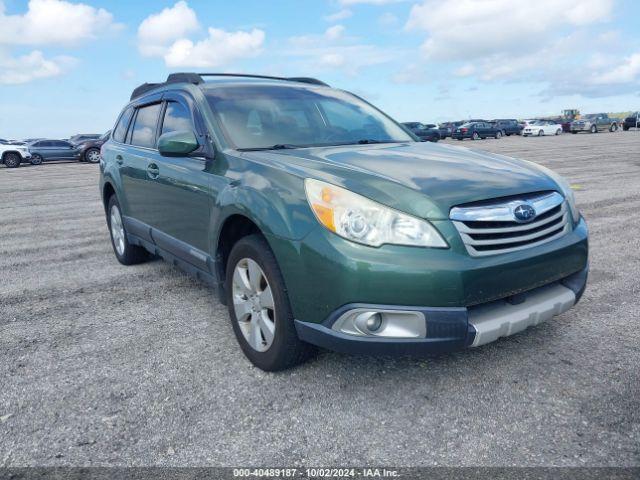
569 196
361 220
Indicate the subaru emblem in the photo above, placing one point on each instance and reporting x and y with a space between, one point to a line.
524 213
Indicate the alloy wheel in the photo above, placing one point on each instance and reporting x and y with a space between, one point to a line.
117 229
253 304
93 155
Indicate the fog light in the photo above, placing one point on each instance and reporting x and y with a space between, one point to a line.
382 323
374 322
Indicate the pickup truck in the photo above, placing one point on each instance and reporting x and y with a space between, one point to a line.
593 123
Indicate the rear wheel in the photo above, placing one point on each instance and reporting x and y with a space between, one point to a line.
36 159
126 253
625 128
12 160
540 133
559 131
259 307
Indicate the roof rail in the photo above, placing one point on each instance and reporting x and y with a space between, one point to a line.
196 79
142 89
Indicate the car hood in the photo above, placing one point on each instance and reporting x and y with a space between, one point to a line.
424 179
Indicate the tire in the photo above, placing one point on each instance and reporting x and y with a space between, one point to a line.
625 128
574 132
540 133
475 136
126 253
282 349
92 155
12 160
613 127
36 159
593 129
460 139
559 131
503 132
498 134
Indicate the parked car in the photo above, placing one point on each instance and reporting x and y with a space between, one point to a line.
49 150
422 131
476 131
507 126
90 149
443 131
632 121
450 127
13 155
594 122
542 127
321 221
82 137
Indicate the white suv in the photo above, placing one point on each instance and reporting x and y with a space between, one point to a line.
13 155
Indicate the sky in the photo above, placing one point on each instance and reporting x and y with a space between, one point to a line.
69 67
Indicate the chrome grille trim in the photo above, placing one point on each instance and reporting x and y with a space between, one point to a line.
502 211
491 229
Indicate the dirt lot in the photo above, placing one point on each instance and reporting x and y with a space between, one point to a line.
102 364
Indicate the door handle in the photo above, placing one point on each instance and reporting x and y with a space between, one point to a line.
119 159
153 171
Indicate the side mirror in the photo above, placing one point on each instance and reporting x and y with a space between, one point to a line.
177 144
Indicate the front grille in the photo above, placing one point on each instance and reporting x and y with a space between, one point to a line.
490 228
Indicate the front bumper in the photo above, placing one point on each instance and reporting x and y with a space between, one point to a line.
580 128
451 329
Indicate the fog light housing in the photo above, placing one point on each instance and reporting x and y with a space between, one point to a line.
371 322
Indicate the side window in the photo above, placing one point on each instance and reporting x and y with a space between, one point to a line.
121 129
143 133
176 117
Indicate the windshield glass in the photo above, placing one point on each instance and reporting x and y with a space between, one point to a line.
264 116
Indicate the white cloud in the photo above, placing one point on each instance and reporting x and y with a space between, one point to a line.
334 50
334 33
220 48
370 2
23 69
627 71
339 15
476 28
464 70
54 22
158 31
166 35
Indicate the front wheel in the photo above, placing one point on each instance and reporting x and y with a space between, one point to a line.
559 131
593 129
92 155
613 127
126 253
498 134
12 160
259 307
475 136
540 133
36 159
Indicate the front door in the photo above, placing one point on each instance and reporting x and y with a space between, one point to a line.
184 198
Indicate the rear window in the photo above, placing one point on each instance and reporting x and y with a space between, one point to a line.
144 126
121 129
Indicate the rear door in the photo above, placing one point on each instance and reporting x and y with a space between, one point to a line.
64 150
184 198
139 168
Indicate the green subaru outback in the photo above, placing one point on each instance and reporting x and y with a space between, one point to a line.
321 221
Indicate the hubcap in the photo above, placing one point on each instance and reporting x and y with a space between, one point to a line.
117 230
37 159
93 156
253 304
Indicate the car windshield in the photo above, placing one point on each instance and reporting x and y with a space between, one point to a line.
274 116
590 116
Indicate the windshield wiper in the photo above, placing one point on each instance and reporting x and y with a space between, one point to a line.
277 146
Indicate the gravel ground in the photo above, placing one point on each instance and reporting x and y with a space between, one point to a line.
102 364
